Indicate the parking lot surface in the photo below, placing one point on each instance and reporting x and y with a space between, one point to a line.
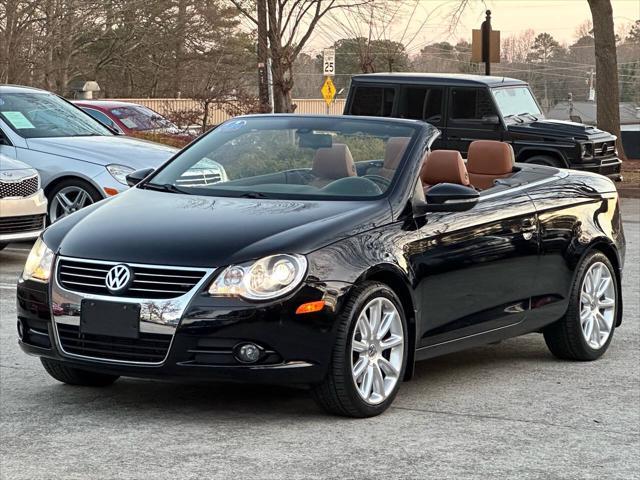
502 411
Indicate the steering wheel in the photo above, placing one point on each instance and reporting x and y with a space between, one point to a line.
382 182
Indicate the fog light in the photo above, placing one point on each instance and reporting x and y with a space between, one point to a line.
248 353
21 330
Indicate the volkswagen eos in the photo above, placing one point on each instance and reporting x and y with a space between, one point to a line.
336 252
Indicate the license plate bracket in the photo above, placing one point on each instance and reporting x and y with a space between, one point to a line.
98 317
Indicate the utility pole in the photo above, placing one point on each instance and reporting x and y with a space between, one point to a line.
486 43
263 58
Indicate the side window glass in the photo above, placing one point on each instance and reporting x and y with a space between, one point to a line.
373 101
470 104
422 103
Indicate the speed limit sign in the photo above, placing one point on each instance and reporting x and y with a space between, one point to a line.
329 62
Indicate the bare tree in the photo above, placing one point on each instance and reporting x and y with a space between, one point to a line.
291 24
607 91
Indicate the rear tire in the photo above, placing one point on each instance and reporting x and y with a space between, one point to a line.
380 356
571 338
75 376
546 160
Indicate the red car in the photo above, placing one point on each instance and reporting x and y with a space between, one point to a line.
133 119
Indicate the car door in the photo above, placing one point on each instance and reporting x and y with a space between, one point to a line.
471 115
475 269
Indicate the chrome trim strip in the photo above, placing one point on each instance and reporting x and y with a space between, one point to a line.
8 237
159 316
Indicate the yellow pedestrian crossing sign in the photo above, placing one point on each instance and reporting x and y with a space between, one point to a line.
328 90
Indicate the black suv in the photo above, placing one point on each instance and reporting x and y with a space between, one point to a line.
473 107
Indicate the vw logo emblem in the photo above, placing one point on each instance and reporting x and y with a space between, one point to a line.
118 278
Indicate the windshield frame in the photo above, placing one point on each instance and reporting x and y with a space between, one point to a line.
107 132
511 117
421 131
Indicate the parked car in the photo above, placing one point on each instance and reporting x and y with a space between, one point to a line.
133 119
338 253
80 161
23 206
473 107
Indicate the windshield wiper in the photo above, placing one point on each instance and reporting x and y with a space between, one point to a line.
529 114
253 195
514 116
166 187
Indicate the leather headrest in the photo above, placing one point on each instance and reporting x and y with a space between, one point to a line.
490 157
394 151
333 162
444 166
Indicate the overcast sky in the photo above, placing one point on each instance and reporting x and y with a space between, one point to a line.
560 18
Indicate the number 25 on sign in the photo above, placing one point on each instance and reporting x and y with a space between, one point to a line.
328 91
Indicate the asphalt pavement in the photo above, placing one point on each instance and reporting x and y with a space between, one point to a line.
502 411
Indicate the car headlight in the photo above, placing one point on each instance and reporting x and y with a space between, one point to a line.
265 279
39 263
586 149
120 172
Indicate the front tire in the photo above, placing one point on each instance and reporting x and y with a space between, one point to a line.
369 356
76 376
586 330
69 196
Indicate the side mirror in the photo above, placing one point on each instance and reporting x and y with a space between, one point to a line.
136 177
491 120
447 197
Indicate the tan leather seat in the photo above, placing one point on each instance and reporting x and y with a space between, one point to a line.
332 163
393 153
444 166
487 161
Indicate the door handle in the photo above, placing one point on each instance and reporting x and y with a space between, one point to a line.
529 226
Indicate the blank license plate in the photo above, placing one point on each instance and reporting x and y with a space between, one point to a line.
98 317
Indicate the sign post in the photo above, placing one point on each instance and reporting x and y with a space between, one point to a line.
328 89
485 45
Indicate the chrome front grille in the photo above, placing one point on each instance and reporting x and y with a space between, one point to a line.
604 149
149 281
22 188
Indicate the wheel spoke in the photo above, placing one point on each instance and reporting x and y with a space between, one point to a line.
607 303
363 326
360 367
388 368
585 298
385 325
392 341
603 286
80 200
378 382
588 327
603 323
595 332
595 279
367 382
375 316
64 202
585 314
359 346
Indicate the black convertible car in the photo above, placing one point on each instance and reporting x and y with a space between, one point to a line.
333 252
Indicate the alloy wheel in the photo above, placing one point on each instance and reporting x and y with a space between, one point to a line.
68 200
597 305
377 350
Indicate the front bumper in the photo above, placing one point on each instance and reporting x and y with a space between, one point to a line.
296 348
609 167
22 218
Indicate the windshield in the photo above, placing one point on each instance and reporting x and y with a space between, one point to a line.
39 115
292 157
515 101
141 118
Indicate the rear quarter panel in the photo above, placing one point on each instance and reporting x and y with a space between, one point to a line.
576 214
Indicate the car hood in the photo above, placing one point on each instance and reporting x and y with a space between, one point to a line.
144 226
8 163
105 150
560 129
